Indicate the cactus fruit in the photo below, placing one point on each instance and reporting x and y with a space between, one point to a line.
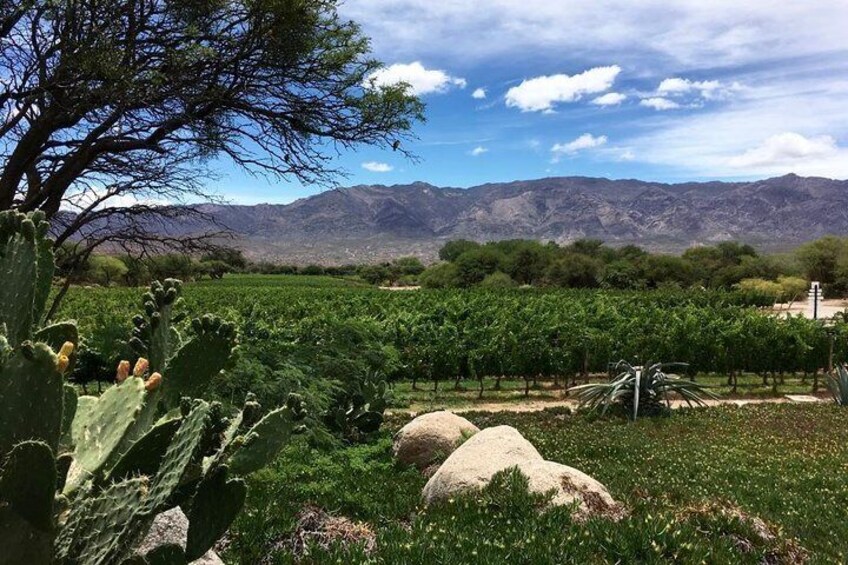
153 382
141 367
62 362
122 372
67 349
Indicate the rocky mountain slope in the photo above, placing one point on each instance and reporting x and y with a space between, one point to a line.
370 223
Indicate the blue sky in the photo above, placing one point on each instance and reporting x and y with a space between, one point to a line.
668 91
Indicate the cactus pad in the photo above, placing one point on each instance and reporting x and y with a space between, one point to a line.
31 392
28 483
262 443
146 454
192 368
216 504
100 529
180 454
103 430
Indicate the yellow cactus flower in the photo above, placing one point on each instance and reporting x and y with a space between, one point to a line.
123 371
141 367
67 349
62 363
153 382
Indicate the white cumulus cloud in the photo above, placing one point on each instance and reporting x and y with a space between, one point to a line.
610 99
376 167
585 141
707 89
479 94
477 151
541 93
420 79
786 149
659 103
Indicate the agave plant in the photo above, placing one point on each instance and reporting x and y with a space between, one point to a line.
837 382
641 390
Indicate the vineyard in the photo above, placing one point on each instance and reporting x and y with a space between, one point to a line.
446 335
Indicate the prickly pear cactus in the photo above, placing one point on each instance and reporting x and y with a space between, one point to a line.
187 364
82 478
360 411
26 270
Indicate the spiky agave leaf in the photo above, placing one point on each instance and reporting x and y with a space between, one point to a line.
837 382
636 387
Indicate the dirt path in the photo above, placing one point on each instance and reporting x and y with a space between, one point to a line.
538 405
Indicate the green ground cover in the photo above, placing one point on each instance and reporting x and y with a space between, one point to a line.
783 463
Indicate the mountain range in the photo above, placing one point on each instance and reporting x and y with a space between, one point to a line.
376 223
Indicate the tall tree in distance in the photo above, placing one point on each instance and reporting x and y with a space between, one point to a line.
113 110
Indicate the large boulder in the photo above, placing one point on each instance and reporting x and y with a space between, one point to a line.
570 487
474 463
472 466
171 527
430 438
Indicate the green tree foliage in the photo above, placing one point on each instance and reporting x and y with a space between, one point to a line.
587 263
527 261
621 274
498 280
663 270
443 275
106 269
573 270
474 265
408 266
453 249
140 95
232 257
374 274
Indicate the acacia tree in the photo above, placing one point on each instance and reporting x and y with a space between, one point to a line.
112 110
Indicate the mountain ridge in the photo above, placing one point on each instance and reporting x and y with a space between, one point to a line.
367 223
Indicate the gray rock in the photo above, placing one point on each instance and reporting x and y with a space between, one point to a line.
171 527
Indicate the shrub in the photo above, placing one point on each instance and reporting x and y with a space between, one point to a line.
498 280
443 275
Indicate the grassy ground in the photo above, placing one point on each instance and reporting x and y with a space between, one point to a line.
783 463
424 398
